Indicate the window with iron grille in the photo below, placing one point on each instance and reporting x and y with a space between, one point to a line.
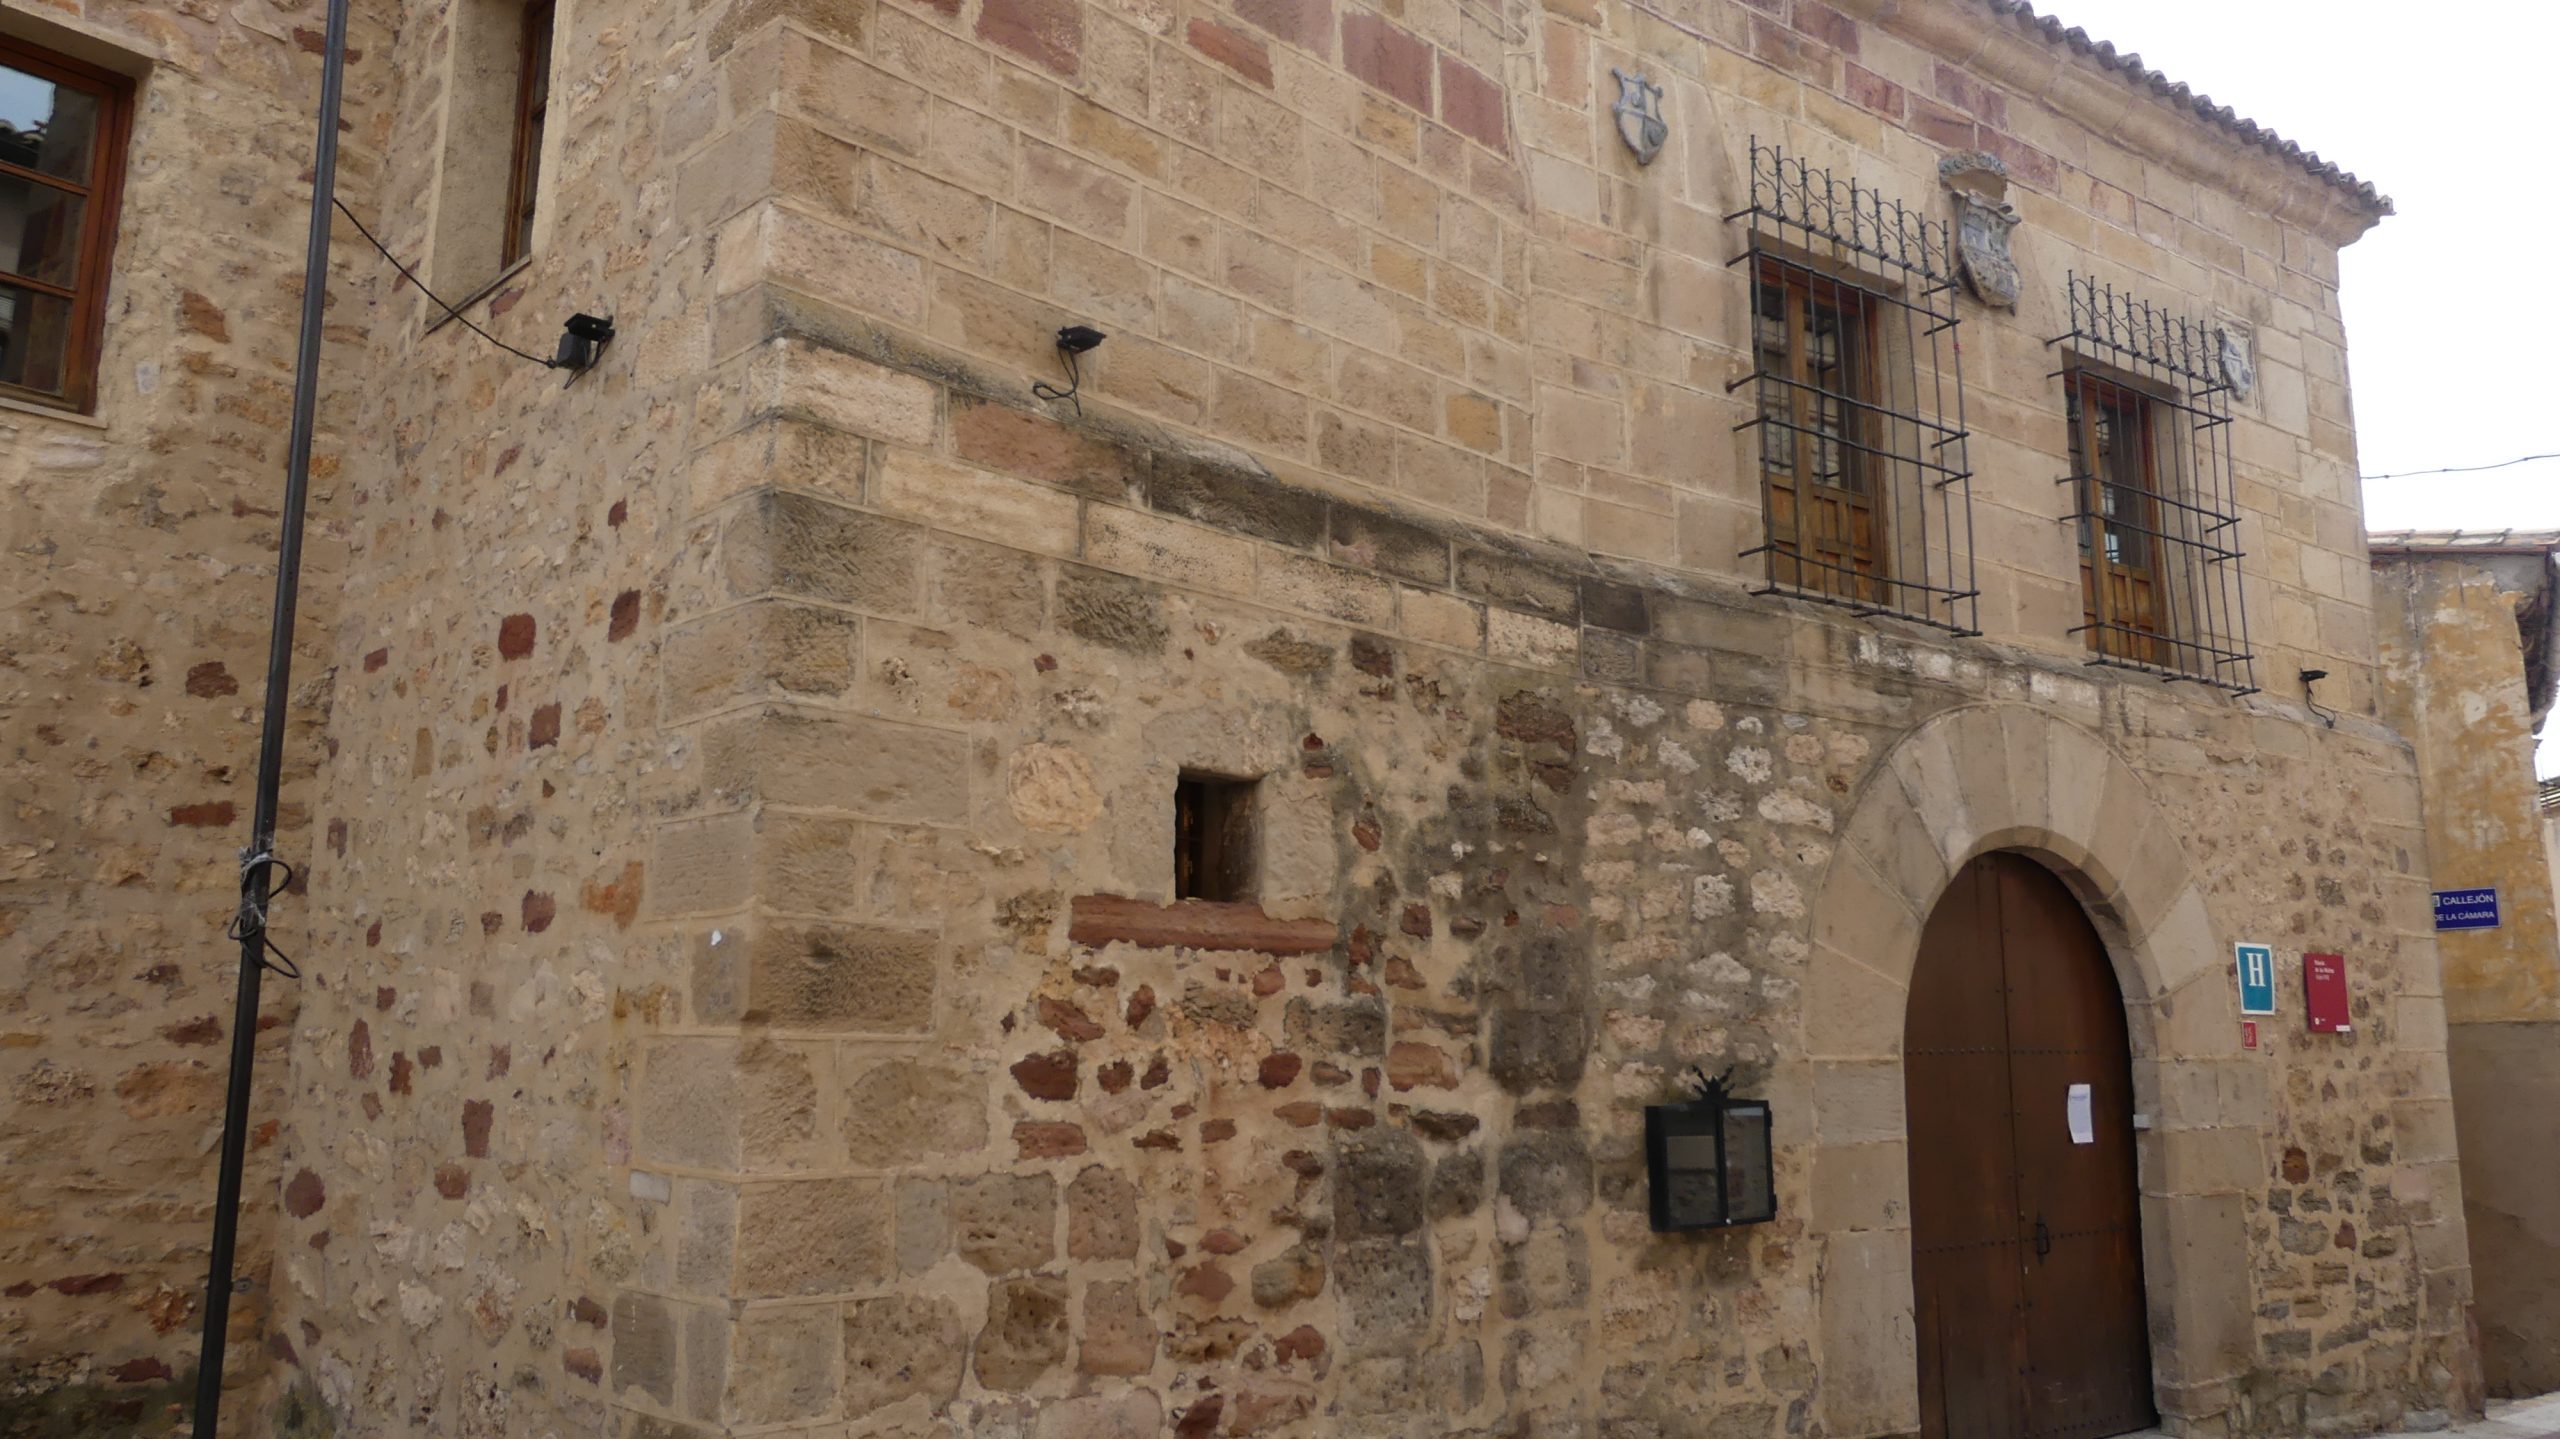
1858 397
2153 505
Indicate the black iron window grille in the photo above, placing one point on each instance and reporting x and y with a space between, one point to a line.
2153 502
1865 482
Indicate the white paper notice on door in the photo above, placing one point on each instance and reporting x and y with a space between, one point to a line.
2083 1131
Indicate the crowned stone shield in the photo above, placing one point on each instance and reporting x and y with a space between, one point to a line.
2239 369
1639 112
1984 218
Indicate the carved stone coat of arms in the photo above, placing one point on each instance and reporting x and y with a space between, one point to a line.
1984 220
1639 112
2239 369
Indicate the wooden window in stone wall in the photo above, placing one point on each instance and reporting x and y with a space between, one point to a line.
533 110
497 122
62 137
2153 508
1858 396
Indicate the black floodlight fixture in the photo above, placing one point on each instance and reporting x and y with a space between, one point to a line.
1073 340
582 340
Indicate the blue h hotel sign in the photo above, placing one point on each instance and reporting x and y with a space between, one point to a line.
2257 966
2466 909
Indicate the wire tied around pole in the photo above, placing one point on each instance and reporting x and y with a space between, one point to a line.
258 889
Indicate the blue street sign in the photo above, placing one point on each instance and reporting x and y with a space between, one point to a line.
2257 966
2466 909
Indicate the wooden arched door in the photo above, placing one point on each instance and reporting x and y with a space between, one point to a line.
2026 1243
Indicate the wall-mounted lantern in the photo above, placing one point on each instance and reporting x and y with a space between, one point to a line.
1709 1161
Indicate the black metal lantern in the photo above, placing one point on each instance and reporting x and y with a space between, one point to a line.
1709 1160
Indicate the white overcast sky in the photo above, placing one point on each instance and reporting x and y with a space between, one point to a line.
2452 310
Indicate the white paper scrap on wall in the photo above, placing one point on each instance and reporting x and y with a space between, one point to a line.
2082 1130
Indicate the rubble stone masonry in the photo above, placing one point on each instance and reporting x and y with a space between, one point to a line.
139 563
744 992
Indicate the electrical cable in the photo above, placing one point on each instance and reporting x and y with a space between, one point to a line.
1075 382
2460 469
412 277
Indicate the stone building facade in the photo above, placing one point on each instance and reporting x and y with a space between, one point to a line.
140 540
2465 620
747 990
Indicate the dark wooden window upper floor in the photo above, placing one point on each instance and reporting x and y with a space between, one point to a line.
497 126
62 140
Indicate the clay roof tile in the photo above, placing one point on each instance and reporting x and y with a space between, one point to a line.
2129 64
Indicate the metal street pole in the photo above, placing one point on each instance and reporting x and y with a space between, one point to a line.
258 863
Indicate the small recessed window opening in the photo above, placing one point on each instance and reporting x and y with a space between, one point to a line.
1213 837
498 114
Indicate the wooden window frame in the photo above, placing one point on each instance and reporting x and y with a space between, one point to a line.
1849 570
533 113
2144 639
102 195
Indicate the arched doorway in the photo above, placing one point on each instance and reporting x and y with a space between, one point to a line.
2026 1246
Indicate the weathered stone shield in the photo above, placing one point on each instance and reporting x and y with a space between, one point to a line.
2239 370
1984 220
1639 112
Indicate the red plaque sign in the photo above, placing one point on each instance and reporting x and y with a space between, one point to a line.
2248 1034
2324 993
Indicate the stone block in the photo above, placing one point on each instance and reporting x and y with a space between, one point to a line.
644 1347
1546 1175
1440 619
978 503
763 649
706 1235
1119 1335
812 1236
1537 1049
801 380
1870 1348
1860 1187
2196 1268
2226 1160
1858 1102
1233 498
1000 437
1548 1273
1377 541
726 1104
924 1224
1175 551
1103 1217
1004 1223
822 760
1385 1287
1862 916
1111 610
797 975
904 1112
1025 1334
702 866
1380 1181
777 451
901 1347
784 1364
1851 1011
787 543
989 586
